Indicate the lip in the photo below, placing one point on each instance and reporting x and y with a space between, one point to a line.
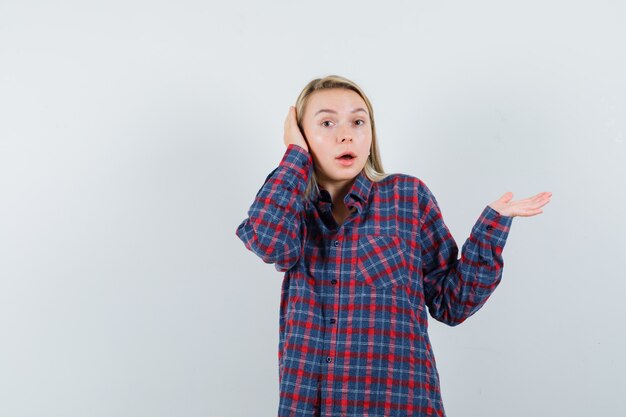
347 153
346 162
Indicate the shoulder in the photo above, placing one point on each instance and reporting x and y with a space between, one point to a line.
405 184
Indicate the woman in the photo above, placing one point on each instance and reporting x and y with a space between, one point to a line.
365 255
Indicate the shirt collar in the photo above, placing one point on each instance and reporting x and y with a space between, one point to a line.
357 196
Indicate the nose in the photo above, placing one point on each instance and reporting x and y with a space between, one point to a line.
344 136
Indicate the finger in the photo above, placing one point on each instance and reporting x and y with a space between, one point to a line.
531 201
543 195
536 197
543 203
288 116
293 115
523 201
535 204
506 197
543 200
529 206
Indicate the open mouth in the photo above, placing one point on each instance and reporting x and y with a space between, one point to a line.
346 159
347 156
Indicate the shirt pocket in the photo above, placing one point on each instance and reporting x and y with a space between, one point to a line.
380 261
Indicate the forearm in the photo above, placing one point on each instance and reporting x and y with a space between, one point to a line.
275 224
455 289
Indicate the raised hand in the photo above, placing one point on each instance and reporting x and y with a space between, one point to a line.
527 207
292 131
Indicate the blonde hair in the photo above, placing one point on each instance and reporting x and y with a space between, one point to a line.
373 168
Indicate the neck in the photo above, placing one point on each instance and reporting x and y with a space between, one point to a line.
337 190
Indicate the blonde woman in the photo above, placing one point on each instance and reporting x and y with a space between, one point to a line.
366 256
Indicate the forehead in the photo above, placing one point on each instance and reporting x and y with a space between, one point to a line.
339 99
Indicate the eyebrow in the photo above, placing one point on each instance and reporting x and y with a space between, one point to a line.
333 111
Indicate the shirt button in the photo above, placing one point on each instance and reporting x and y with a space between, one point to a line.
336 243
333 281
333 321
329 359
489 227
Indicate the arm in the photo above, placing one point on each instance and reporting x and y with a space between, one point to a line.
454 289
274 228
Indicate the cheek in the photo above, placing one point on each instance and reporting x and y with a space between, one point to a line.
319 141
320 135
366 142
319 149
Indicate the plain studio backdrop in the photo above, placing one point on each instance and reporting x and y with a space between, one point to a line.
134 136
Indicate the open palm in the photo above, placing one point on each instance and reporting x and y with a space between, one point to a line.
530 206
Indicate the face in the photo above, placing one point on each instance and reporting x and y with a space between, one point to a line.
336 121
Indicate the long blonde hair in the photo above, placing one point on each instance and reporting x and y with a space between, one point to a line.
373 168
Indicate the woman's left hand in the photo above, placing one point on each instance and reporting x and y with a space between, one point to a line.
530 206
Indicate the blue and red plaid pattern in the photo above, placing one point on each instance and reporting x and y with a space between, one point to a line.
353 323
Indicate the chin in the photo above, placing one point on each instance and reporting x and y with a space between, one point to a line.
348 175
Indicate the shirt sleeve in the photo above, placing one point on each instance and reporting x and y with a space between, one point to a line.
454 289
275 225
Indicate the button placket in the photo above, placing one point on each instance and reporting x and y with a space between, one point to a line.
335 244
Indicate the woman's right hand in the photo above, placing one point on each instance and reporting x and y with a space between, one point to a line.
293 135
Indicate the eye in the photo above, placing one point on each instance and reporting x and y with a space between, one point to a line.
362 122
325 121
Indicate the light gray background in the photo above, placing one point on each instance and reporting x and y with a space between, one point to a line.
134 136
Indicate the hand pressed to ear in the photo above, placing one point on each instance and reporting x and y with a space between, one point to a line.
292 131
527 207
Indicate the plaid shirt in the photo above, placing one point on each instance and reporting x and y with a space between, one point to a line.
353 323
